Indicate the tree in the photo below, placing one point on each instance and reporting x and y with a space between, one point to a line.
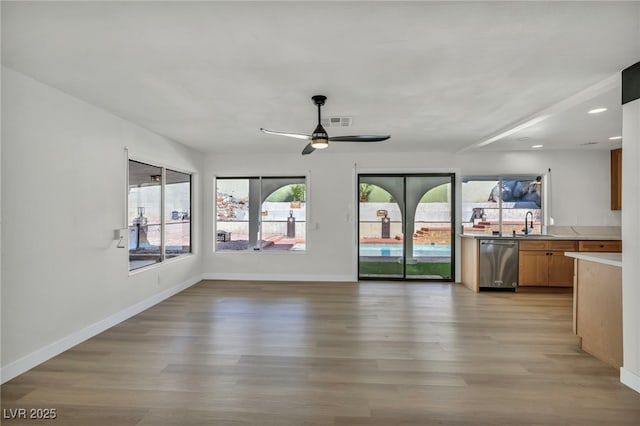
298 192
365 190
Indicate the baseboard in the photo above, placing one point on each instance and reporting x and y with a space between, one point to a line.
276 277
630 379
39 356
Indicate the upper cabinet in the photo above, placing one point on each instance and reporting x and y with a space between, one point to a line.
616 179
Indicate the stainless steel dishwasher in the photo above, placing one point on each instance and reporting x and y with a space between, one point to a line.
498 264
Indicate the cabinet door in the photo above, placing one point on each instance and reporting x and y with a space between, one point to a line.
560 270
616 179
533 268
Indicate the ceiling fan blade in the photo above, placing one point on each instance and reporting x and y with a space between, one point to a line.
360 138
308 149
291 135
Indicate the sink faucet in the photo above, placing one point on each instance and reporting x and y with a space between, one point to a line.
526 223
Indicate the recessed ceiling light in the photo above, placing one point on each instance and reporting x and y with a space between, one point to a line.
597 110
589 143
615 138
524 138
536 146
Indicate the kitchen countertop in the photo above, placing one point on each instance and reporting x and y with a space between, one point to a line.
542 237
613 259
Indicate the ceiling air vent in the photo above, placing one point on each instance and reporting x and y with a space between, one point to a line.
336 121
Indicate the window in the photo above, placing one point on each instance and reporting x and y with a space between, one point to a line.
159 214
501 204
261 214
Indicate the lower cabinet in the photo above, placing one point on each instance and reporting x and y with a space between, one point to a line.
542 263
560 270
533 268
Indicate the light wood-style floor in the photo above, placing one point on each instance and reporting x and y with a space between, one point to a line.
373 353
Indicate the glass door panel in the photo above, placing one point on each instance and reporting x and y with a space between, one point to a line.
381 226
429 212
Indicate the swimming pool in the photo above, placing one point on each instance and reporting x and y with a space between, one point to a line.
396 250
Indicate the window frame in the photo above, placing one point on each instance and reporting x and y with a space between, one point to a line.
163 257
260 177
164 173
542 178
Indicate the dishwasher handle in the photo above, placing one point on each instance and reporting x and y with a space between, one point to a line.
498 244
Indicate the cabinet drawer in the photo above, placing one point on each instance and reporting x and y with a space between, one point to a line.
612 246
563 245
534 245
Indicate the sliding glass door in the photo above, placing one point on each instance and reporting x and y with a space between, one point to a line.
406 226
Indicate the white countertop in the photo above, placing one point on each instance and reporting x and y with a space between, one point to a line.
521 237
613 259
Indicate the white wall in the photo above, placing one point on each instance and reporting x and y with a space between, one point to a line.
63 195
630 372
579 196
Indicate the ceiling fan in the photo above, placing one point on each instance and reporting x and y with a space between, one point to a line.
319 139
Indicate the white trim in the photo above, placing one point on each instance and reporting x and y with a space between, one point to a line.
276 277
355 219
160 264
308 189
405 171
263 252
41 355
630 379
149 161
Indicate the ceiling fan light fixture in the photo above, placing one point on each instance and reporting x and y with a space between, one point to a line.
319 138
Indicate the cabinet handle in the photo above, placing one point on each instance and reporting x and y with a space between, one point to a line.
601 246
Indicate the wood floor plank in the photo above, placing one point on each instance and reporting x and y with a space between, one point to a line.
374 353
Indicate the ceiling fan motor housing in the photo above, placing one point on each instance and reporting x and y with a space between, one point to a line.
319 99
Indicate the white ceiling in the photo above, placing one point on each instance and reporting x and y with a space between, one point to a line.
436 76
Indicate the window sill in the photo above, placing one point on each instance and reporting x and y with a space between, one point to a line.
160 264
274 252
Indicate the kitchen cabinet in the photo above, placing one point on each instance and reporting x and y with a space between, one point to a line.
597 310
560 270
614 246
542 263
470 264
616 179
533 268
